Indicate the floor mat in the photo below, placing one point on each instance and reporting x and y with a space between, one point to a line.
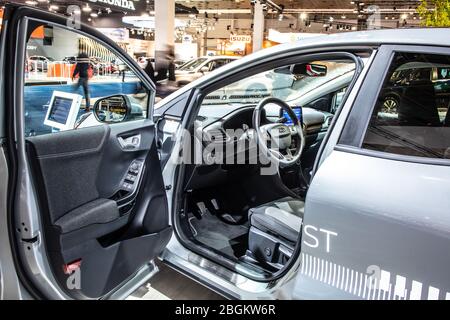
231 240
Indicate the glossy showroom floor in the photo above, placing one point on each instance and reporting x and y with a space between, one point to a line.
168 284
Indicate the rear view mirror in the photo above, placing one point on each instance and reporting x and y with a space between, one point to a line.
112 109
309 70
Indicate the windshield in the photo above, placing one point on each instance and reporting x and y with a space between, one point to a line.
191 65
280 84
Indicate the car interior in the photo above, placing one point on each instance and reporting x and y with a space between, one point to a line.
230 208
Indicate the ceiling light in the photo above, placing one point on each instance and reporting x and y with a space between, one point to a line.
31 2
404 16
53 7
87 8
94 15
343 16
303 16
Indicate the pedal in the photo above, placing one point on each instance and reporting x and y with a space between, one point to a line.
215 204
201 207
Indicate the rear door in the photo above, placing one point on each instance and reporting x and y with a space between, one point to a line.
376 220
87 200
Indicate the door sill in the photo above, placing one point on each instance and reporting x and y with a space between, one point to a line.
228 283
140 277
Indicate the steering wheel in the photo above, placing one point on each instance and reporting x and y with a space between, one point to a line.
275 139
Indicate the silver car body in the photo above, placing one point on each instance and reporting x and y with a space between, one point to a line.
375 227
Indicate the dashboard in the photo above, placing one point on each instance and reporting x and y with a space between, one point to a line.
215 120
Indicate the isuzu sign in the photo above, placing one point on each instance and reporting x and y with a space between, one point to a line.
243 38
123 4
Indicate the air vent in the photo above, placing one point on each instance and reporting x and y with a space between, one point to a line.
212 97
217 135
249 96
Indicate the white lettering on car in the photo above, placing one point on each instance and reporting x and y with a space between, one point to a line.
314 236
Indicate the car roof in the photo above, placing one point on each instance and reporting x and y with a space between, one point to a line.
413 36
220 57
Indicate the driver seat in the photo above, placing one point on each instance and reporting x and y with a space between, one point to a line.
274 230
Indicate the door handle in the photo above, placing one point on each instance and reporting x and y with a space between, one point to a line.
130 143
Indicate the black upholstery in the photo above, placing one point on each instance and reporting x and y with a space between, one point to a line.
281 217
94 212
418 105
70 162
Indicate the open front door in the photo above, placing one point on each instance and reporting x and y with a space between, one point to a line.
88 201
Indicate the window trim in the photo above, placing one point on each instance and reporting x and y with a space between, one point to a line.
355 128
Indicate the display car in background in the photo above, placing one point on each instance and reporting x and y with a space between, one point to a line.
199 67
70 59
39 63
303 187
412 73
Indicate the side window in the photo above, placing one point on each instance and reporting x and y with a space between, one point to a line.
218 63
412 115
66 73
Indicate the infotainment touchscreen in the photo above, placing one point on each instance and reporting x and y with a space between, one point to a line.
298 112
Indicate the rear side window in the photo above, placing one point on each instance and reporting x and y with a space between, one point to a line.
412 116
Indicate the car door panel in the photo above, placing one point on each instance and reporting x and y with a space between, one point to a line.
375 224
90 232
362 242
82 174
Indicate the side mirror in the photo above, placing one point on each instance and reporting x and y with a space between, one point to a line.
309 70
112 109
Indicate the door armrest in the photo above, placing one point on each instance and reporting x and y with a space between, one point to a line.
98 211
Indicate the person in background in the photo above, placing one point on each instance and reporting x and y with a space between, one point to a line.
82 71
150 71
171 59
162 66
122 68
